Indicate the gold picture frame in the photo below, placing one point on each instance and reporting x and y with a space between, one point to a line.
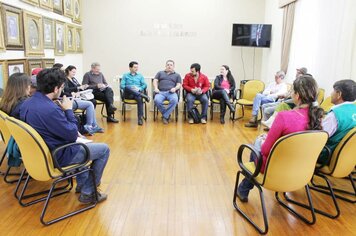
46 4
48 32
13 27
77 11
15 66
33 64
68 8
70 38
59 49
58 6
2 40
78 40
47 63
33 34
31 2
3 81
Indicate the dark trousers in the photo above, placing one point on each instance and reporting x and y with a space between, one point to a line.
106 96
133 94
224 100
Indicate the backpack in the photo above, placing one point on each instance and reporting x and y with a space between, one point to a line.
195 115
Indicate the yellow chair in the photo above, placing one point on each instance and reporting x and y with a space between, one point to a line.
289 168
41 165
102 104
248 93
341 165
326 104
126 101
216 101
321 94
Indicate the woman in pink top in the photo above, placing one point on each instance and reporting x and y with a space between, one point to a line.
305 116
224 87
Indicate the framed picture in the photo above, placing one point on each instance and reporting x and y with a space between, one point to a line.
13 27
33 34
70 36
15 66
68 8
32 64
58 6
48 32
32 2
2 77
60 39
47 63
2 40
46 4
77 11
78 40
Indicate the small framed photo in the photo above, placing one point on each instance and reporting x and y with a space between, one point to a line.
13 27
33 64
2 40
2 77
68 8
48 32
47 63
70 36
33 34
78 40
58 6
16 66
32 2
46 4
60 39
77 12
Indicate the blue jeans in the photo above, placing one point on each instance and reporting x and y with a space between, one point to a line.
268 109
246 185
161 97
99 154
130 93
259 100
204 103
89 109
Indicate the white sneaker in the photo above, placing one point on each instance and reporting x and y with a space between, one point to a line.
203 121
191 121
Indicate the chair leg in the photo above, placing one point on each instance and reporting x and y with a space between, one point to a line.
2 159
92 205
265 220
7 174
154 112
145 118
310 207
176 111
124 111
212 111
322 189
242 111
185 111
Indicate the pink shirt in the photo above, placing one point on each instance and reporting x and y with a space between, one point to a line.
225 84
286 122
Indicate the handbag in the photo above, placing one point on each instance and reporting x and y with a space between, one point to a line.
86 94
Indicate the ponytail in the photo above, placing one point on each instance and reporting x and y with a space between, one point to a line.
315 114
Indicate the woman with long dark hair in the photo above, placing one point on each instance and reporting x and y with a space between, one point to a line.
17 90
224 86
305 116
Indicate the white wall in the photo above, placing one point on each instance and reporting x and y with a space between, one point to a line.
120 31
69 59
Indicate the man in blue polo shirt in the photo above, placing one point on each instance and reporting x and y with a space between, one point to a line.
57 125
165 85
133 85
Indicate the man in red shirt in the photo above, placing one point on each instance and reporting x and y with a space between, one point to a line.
197 85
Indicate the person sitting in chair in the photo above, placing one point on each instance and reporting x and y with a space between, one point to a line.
133 85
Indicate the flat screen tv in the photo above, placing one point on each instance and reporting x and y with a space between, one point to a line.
251 35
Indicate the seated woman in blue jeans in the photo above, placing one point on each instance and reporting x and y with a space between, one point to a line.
71 87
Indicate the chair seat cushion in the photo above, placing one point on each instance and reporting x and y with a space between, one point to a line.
130 101
244 102
251 167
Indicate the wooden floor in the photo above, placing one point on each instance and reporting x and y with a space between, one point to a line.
174 179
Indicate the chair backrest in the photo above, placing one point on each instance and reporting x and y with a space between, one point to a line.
35 154
343 159
326 104
321 94
5 133
251 88
292 160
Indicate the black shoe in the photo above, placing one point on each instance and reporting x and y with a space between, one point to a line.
147 98
140 121
266 129
242 199
112 119
222 120
78 189
251 125
86 199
